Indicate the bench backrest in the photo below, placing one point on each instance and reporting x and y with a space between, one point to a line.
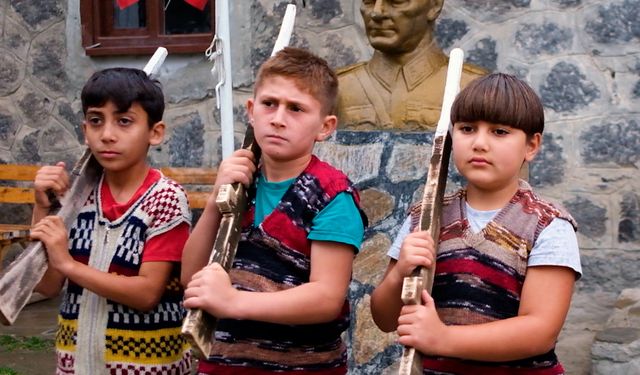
197 182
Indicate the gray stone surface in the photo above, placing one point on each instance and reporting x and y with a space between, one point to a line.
548 168
484 54
591 217
566 88
10 72
186 143
629 225
548 38
616 348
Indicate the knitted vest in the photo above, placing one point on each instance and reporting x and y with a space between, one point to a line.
479 276
97 335
276 256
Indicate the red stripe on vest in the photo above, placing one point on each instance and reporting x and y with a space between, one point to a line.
487 274
458 367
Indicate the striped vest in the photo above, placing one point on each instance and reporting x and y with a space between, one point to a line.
276 256
97 335
479 276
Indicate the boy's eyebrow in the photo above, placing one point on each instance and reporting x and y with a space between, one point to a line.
93 110
100 110
281 100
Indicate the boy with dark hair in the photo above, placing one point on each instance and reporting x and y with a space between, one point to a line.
283 305
507 260
121 312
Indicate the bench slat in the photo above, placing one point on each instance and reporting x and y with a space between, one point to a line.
16 195
18 172
184 176
197 199
25 195
199 176
193 176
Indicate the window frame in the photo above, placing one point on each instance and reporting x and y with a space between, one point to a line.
100 39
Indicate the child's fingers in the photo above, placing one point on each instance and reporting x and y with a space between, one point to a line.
191 291
241 172
191 302
427 300
245 154
50 178
198 278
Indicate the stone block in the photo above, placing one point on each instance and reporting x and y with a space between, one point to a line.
371 263
377 204
359 162
11 72
616 348
368 339
408 162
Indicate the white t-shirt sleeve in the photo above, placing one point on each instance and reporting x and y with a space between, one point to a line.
557 245
405 229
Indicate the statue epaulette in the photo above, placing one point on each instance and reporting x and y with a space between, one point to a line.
474 69
349 68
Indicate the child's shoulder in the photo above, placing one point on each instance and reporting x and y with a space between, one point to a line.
325 168
328 175
167 190
550 207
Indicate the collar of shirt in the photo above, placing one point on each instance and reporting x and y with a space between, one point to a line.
422 65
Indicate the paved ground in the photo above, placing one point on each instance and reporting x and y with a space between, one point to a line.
36 320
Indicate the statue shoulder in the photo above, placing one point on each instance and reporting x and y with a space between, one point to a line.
349 69
473 70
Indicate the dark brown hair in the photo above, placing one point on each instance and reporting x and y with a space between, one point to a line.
123 87
500 98
310 73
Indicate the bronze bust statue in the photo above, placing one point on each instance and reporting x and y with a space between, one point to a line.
402 85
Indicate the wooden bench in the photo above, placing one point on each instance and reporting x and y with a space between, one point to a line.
16 187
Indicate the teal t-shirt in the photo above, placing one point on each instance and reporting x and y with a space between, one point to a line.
339 221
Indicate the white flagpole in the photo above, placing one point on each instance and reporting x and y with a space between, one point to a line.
225 98
288 21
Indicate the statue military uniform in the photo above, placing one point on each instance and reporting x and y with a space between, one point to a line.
382 94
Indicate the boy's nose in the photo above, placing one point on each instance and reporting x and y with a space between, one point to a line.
278 118
108 134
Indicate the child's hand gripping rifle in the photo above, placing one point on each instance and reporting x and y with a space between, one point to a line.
199 326
19 279
422 278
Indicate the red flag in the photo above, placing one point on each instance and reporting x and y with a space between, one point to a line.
125 3
200 4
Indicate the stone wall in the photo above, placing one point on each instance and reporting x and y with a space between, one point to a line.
616 350
581 56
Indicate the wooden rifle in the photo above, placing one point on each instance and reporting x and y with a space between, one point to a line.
199 326
431 206
19 279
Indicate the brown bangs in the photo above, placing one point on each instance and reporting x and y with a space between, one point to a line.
500 99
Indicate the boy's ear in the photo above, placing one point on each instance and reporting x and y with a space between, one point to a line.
84 131
533 146
250 110
156 133
329 125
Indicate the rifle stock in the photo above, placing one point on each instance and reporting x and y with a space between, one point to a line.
232 199
23 274
431 206
198 326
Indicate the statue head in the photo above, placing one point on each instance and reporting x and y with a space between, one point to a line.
398 26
